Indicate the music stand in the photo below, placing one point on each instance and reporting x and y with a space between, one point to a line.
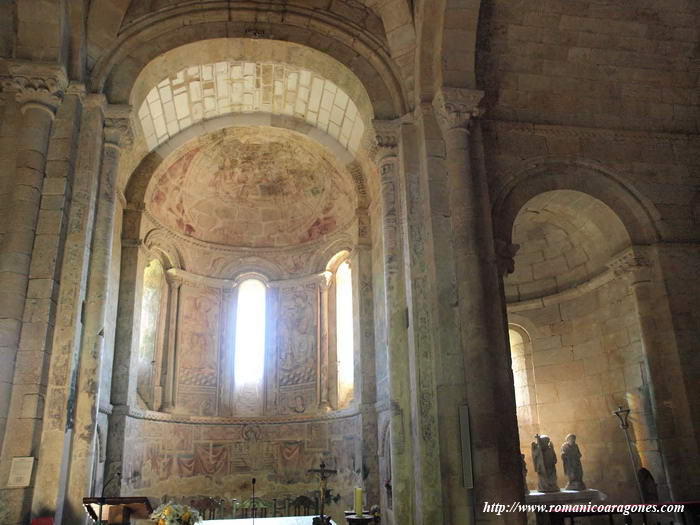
119 510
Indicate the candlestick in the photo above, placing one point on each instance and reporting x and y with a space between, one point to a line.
358 501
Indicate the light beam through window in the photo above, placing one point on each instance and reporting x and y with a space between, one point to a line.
249 361
344 329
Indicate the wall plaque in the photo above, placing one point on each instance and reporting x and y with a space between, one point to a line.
21 472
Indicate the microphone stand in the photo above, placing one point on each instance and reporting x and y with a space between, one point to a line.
101 499
253 508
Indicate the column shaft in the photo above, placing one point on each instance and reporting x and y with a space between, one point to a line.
483 322
365 377
29 258
398 359
123 393
174 285
89 373
18 241
665 441
324 395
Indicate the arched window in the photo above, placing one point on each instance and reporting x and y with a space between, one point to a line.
345 344
249 346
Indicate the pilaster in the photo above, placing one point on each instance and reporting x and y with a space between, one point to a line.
115 133
670 394
59 416
386 151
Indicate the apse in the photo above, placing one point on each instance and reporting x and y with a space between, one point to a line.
575 339
247 323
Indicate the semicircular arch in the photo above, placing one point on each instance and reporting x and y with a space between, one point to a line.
636 212
118 68
159 242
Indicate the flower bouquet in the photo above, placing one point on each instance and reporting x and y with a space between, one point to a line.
174 514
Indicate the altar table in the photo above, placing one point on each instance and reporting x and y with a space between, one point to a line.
291 520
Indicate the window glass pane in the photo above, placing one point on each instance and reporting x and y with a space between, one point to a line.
344 332
249 358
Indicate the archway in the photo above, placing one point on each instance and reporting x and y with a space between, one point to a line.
241 195
587 349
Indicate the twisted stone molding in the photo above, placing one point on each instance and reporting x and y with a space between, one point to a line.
36 84
455 107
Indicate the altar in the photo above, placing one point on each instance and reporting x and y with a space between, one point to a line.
290 520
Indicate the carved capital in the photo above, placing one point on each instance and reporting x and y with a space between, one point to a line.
386 138
36 84
77 89
455 107
632 263
117 132
117 126
505 256
173 280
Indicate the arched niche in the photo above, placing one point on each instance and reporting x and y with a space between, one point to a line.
587 352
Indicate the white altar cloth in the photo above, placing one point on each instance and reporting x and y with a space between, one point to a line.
291 520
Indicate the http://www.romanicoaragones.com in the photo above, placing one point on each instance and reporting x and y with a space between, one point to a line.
626 510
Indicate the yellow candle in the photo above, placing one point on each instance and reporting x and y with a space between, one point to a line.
358 501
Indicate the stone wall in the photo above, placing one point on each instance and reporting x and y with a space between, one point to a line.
586 359
181 458
591 63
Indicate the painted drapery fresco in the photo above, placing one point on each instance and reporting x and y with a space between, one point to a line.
220 460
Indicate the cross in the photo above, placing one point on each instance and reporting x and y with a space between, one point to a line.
323 475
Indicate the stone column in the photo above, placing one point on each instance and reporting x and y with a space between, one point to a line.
116 129
483 322
39 90
123 394
365 377
324 396
655 437
395 309
174 285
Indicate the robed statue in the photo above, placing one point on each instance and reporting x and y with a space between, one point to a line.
545 460
571 459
